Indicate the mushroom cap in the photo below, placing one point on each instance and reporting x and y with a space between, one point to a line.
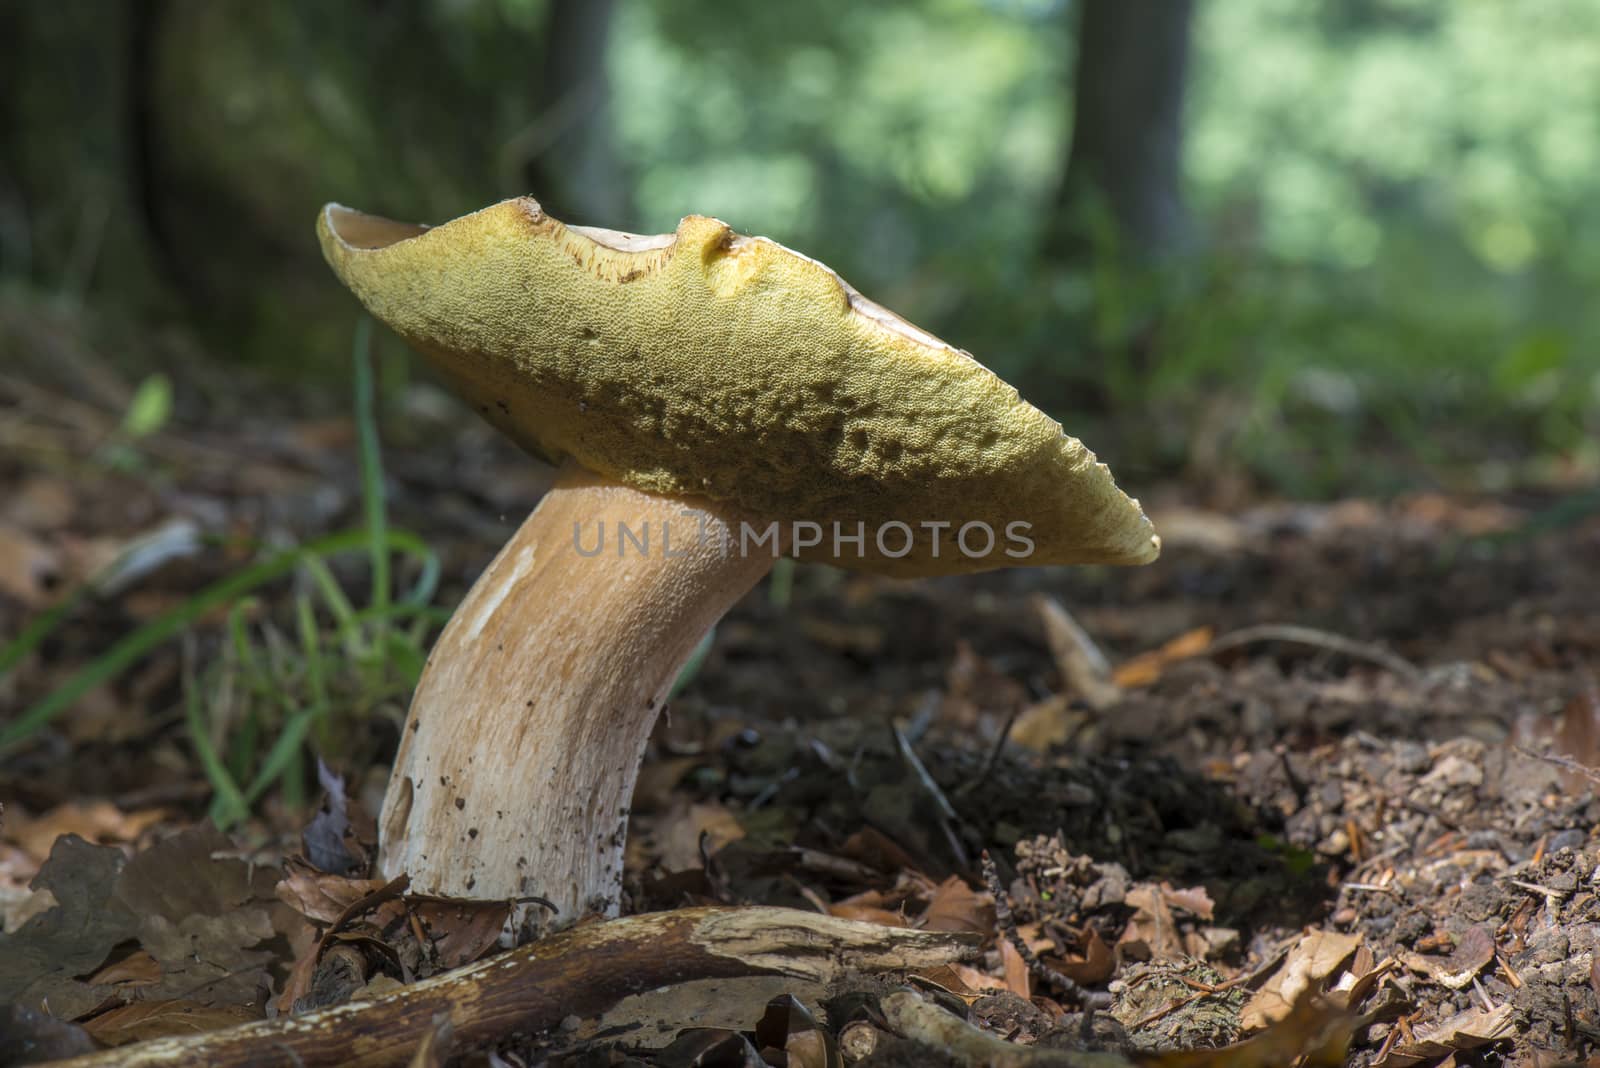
705 363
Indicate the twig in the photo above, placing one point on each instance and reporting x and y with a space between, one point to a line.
928 1025
1565 763
993 756
1317 639
1008 925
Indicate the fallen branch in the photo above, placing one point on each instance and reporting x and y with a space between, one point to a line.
928 1025
582 971
1316 639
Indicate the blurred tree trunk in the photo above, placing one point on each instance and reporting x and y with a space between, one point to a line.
73 211
1127 137
572 165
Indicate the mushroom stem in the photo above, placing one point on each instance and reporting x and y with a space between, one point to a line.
516 768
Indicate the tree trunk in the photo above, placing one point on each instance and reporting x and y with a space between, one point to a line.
571 161
1127 137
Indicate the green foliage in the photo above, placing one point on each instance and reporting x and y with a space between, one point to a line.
1393 195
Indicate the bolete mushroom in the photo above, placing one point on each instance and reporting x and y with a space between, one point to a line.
709 397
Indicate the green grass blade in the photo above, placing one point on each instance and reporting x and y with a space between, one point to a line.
229 805
131 648
374 506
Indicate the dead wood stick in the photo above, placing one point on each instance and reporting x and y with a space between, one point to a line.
1083 667
1317 639
582 971
927 1024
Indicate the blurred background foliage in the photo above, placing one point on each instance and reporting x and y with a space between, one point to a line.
1263 242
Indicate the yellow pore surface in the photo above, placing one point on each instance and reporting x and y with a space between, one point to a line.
708 364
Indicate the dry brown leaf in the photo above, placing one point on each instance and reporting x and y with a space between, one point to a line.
1194 901
1315 1033
679 830
1471 956
1316 956
968 983
1046 724
1146 668
1018 979
955 906
318 895
93 821
1096 964
461 931
141 1020
136 969
1151 933
876 850
1464 1031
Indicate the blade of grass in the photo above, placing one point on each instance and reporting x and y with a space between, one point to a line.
229 805
281 757
131 648
372 490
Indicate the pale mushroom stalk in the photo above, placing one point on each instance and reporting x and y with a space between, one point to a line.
690 381
526 731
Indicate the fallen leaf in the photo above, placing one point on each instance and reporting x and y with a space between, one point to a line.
1314 1033
1456 971
135 970
955 906
1152 932
460 931
680 830
1313 958
1046 724
1464 1031
319 895
38 961
1095 965
141 1020
1018 978
93 821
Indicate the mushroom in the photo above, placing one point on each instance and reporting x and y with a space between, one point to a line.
712 399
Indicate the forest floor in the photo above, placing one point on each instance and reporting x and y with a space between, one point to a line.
1342 748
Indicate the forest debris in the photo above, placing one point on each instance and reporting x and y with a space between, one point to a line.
787 1027
1152 933
581 971
94 821
1046 724
1146 668
1317 955
926 1024
1464 1031
955 906
138 1021
1472 954
199 917
318 895
1295 634
1083 667
687 828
